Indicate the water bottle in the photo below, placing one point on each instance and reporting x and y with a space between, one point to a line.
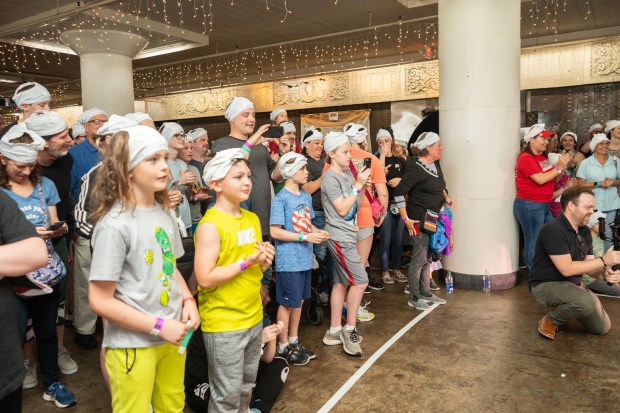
486 281
449 283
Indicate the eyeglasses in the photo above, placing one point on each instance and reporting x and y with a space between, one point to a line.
97 122
180 136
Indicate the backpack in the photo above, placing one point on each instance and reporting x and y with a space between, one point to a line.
439 240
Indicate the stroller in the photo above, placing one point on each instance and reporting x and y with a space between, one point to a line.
319 294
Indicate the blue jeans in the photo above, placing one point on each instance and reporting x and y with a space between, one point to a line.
391 241
531 216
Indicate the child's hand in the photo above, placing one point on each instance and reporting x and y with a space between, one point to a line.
363 177
187 177
270 333
450 202
190 313
325 234
173 331
316 237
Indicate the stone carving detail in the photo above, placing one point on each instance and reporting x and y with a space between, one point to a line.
605 58
332 89
201 102
422 78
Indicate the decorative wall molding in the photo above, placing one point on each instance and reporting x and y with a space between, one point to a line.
422 78
605 58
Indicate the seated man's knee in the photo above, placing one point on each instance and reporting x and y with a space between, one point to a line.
586 305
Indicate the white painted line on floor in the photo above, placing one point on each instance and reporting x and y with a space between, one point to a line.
360 372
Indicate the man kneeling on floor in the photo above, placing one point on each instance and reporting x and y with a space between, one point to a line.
563 253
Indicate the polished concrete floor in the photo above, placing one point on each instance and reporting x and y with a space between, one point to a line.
479 353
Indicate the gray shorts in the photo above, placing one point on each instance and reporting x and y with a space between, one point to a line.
364 233
348 267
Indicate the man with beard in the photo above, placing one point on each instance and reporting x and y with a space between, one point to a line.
200 147
562 255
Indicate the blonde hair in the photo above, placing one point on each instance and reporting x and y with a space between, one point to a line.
113 184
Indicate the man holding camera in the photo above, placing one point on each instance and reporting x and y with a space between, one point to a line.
563 253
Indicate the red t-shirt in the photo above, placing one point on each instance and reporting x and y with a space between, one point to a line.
527 188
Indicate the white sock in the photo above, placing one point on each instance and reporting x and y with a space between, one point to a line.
282 347
348 327
293 340
334 330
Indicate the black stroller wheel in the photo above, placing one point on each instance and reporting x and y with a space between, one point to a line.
314 312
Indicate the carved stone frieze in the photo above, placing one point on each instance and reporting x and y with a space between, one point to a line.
328 89
605 58
201 102
422 77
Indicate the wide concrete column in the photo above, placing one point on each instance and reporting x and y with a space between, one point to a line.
106 67
479 56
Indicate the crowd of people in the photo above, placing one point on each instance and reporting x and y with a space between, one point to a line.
164 232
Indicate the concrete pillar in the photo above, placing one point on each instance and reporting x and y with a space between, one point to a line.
479 67
106 67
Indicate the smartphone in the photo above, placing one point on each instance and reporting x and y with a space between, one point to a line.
274 132
367 163
173 186
55 226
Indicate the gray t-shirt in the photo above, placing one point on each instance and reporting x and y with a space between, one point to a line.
334 186
261 165
137 248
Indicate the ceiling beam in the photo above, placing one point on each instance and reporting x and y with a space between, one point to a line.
151 25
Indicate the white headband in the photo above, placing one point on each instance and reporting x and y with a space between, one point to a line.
36 94
333 140
274 114
195 134
77 129
311 135
533 131
90 113
236 105
114 124
355 132
401 142
218 167
574 136
21 152
46 123
289 169
594 127
169 129
383 133
138 116
611 125
288 127
144 141
596 139
426 139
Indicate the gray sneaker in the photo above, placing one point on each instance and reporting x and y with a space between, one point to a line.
66 364
30 381
434 299
421 305
350 342
330 339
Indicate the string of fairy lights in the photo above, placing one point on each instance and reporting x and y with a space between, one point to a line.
326 54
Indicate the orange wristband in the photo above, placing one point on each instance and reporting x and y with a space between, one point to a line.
186 299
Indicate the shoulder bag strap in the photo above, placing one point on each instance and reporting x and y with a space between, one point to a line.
46 220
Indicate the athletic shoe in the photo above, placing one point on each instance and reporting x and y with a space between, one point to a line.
298 347
296 357
330 339
419 305
59 394
363 315
399 276
66 364
375 285
350 342
364 303
30 381
324 298
367 290
387 278
434 287
434 299
406 289
85 341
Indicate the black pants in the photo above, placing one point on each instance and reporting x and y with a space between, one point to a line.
12 402
269 382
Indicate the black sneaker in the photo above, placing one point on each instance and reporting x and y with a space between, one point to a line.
85 341
298 347
296 357
375 285
367 290
434 287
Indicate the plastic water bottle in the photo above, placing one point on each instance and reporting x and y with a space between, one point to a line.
449 283
486 281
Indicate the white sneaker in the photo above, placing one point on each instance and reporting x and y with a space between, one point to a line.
364 315
30 381
66 364
387 278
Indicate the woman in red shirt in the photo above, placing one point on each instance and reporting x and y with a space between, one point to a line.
534 179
